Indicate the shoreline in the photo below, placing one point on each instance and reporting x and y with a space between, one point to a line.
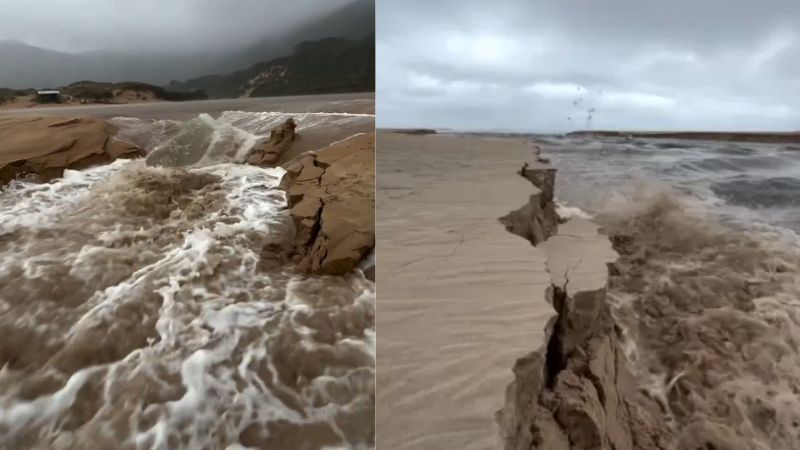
354 103
667 330
732 136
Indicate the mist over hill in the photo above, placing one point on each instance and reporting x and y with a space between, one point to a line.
27 66
329 65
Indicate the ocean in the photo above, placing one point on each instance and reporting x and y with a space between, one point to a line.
744 185
705 290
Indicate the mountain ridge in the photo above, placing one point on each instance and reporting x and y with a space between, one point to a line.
27 66
329 65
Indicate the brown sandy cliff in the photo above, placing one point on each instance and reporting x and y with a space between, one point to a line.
575 392
281 139
537 220
46 146
331 196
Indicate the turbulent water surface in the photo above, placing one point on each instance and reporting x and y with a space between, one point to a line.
149 305
707 281
743 184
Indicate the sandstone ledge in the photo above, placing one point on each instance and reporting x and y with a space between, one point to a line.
269 151
46 146
576 391
536 220
331 196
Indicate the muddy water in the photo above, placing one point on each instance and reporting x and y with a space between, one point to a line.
713 322
146 307
707 280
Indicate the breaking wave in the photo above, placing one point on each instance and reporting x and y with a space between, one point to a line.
151 307
706 288
714 316
207 140
744 185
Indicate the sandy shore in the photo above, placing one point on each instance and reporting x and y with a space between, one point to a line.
363 103
29 101
460 298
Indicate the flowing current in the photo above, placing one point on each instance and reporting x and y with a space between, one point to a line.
149 304
706 286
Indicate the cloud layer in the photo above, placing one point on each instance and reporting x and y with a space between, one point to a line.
555 65
145 25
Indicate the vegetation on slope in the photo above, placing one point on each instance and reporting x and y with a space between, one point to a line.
23 65
328 65
98 92
9 95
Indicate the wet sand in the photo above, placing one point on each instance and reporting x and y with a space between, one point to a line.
460 298
359 103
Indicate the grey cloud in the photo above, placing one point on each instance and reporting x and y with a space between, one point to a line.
638 64
167 25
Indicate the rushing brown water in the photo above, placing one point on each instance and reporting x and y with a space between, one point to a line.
713 323
706 284
704 294
147 307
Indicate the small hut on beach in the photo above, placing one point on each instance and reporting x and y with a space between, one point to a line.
48 96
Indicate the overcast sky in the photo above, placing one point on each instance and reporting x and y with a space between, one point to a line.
543 65
168 25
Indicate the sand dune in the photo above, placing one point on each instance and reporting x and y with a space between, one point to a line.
460 298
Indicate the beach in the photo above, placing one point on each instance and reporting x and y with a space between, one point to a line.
652 313
460 297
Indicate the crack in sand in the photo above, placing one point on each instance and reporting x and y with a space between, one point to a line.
447 258
559 397
568 270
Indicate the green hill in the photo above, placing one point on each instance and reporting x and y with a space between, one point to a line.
99 92
328 65
23 65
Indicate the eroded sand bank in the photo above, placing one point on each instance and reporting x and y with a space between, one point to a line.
460 298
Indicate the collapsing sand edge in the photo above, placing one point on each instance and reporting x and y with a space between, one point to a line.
576 390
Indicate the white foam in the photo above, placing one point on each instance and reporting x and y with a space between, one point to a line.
218 313
566 212
42 409
346 139
261 123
